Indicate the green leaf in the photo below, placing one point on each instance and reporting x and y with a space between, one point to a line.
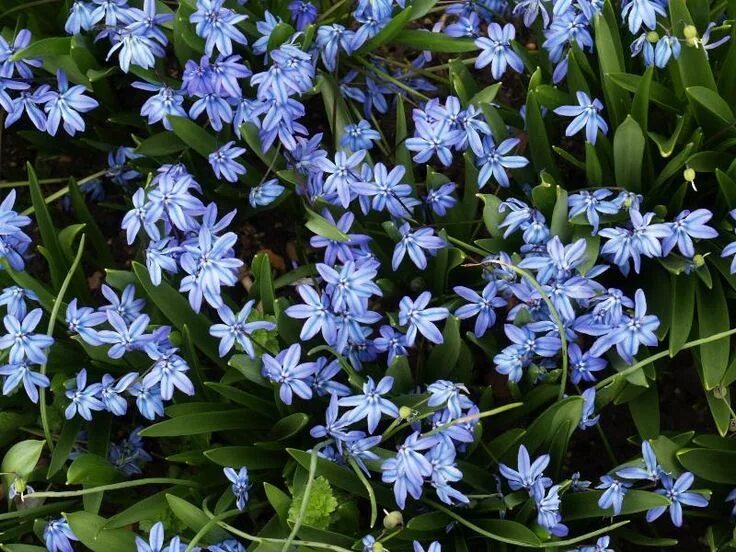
394 29
711 111
462 81
593 168
628 153
262 289
658 93
194 518
420 8
198 423
161 144
693 62
640 105
280 34
178 311
539 144
45 47
21 458
92 230
58 265
611 60
491 216
435 42
727 186
90 530
322 227
714 465
193 135
288 427
644 410
443 357
559 225
148 508
322 503
254 458
64 445
713 317
683 308
585 505
335 107
91 470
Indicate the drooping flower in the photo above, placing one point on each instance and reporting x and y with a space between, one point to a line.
586 115
240 485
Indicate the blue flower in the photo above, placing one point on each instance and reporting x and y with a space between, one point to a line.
14 297
156 541
448 394
114 12
329 39
127 306
291 375
548 512
433 547
24 67
57 535
370 404
586 115
79 19
28 102
168 371
66 105
265 193
216 24
316 310
84 398
587 419
392 342
493 161
408 468
613 496
303 13
415 244
432 140
441 199
340 250
223 162
322 380
688 225
420 319
112 388
528 475
21 340
265 28
165 102
630 332
343 175
667 47
240 485
236 329
134 49
642 12
161 255
350 287
631 243
148 400
229 545
359 136
593 204
21 372
217 109
497 51
387 190
480 305
210 263
147 22
122 337
601 545
677 492
651 470
583 365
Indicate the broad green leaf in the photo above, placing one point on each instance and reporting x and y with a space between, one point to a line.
611 60
420 8
44 47
713 317
288 427
683 308
262 290
178 311
335 107
322 227
640 104
644 410
91 228
435 42
280 34
91 470
593 168
559 225
22 457
90 530
64 445
443 357
693 62
254 458
628 153
193 135
462 81
539 144
491 216
161 144
394 29
714 465
194 518
200 422
658 93
148 508
585 505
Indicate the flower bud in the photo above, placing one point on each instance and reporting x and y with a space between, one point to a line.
377 547
690 32
689 174
652 36
417 284
405 412
393 519
698 260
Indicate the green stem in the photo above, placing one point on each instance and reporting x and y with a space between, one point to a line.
662 354
65 190
391 79
209 526
114 487
23 183
368 488
50 332
471 417
266 540
305 498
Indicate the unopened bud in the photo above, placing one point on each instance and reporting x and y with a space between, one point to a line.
392 520
417 284
690 32
689 174
652 36
377 547
405 412
698 260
